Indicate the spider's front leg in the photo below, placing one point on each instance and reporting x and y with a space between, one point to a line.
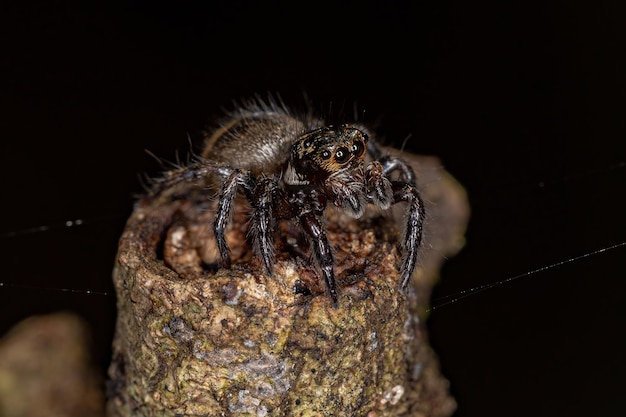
321 248
391 163
413 230
383 192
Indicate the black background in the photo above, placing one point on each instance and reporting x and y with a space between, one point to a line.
523 102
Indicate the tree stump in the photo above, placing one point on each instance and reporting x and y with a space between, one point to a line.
195 340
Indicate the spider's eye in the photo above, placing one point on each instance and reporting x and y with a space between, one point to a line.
342 155
325 155
357 149
307 143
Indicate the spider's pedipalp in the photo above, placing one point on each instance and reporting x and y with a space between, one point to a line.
378 186
347 190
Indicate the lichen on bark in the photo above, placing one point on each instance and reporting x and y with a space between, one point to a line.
195 340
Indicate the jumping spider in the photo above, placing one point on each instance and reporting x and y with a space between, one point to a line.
291 168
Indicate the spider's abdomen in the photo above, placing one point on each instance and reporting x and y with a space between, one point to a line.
259 141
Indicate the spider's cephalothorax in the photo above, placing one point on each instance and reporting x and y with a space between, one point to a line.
291 169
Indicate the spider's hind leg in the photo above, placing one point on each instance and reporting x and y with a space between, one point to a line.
197 172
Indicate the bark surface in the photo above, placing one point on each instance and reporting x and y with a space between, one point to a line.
195 340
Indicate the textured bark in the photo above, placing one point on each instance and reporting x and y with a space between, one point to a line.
195 340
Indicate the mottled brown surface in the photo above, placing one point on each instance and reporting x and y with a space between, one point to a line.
192 341
45 370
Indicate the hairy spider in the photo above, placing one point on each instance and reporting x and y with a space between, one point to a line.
291 168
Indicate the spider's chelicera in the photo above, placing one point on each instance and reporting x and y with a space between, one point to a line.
291 168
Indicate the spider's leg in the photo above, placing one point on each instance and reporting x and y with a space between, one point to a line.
197 171
391 163
413 230
262 222
224 205
403 190
321 247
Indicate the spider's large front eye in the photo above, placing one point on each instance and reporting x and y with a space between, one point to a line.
342 155
357 148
